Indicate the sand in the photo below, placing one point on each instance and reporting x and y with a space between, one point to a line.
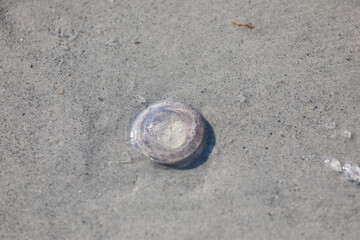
74 74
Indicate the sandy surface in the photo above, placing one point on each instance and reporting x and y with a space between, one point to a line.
73 75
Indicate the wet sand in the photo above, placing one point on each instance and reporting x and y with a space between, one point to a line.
74 74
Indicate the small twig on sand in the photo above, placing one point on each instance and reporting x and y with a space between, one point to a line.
247 25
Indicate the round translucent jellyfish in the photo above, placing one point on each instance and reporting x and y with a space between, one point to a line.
347 134
351 171
169 132
331 124
333 164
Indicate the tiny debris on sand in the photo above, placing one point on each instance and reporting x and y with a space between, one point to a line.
247 25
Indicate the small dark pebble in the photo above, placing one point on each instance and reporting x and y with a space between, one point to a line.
101 99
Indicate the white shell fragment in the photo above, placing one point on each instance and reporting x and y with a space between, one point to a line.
333 164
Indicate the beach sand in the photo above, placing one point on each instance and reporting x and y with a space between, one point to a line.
278 96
